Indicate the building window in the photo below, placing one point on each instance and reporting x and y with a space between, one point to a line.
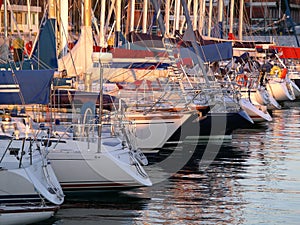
26 19
19 18
33 19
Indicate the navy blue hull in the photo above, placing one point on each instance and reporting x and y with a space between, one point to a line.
212 124
297 82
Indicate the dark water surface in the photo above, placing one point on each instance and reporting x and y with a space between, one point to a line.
255 179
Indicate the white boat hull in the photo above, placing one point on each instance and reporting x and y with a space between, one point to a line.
28 181
281 90
261 96
80 166
258 113
16 215
153 130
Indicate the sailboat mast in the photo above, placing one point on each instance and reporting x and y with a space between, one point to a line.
64 23
201 17
241 17
28 18
231 17
210 18
132 10
102 23
177 16
195 14
220 17
52 9
87 13
118 22
145 15
5 21
167 16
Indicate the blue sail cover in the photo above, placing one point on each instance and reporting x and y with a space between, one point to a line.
25 87
44 54
210 53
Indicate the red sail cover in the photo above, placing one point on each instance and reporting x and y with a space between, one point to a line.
288 52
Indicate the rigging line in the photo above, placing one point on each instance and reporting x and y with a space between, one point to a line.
13 17
63 30
96 4
139 21
112 8
36 38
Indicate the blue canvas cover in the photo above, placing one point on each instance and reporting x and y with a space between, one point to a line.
25 87
210 53
44 54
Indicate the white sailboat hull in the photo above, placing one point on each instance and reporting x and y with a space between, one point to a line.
16 215
281 90
25 182
261 96
80 166
153 130
258 113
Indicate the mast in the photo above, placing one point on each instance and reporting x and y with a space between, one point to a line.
85 34
220 17
28 18
195 14
132 10
87 22
52 9
110 11
145 15
118 22
64 24
201 17
5 21
102 23
231 17
241 17
210 18
167 17
176 16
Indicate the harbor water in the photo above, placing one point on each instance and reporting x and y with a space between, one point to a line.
253 179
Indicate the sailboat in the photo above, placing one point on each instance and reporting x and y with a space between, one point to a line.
85 154
29 189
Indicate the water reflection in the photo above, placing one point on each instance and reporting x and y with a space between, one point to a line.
254 179
99 208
